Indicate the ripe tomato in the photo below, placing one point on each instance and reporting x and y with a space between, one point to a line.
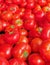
13 8
37 8
42 2
12 34
29 24
7 15
36 44
45 50
16 62
23 32
17 2
30 4
23 3
39 17
34 33
18 23
48 16
21 51
8 2
5 50
36 59
23 39
45 34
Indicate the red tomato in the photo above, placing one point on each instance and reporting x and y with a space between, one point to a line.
48 16
29 24
17 2
12 34
16 62
23 3
23 32
8 2
42 2
30 4
5 50
37 8
36 59
3 61
3 6
46 9
18 23
45 34
13 8
39 17
21 51
7 15
45 50
36 44
23 39
34 33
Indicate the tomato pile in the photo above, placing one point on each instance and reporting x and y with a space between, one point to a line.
24 32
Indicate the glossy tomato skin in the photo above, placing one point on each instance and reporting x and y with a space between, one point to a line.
36 44
17 2
33 33
13 8
28 16
11 38
23 3
3 61
23 39
36 59
12 34
8 2
30 4
30 24
45 34
5 50
15 61
23 32
48 16
18 22
21 51
3 6
36 8
7 15
45 50
39 17
42 2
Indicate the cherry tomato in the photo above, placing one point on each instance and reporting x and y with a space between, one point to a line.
45 50
5 50
36 44
7 15
23 39
45 34
21 51
36 59
23 32
16 62
30 24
